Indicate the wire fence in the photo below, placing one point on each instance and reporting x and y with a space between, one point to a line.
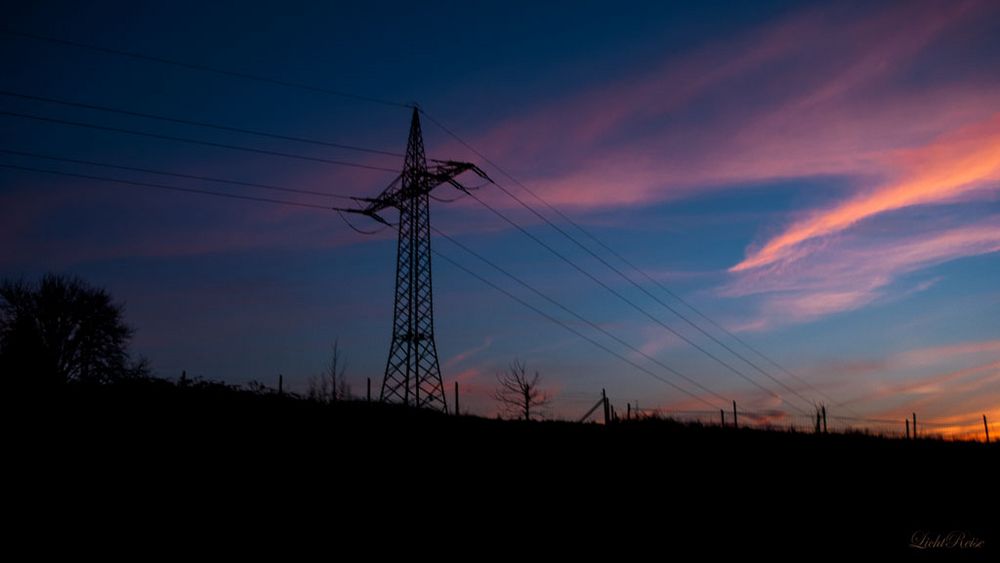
972 429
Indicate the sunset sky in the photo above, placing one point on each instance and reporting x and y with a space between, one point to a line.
822 179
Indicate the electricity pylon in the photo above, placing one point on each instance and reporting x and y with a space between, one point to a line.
412 371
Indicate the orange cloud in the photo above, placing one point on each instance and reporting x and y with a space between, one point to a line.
951 166
937 353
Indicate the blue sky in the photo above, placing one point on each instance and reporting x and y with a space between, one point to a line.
820 180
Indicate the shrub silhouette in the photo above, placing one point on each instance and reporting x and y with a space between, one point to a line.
62 330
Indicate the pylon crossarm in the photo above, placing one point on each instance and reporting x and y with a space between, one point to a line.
395 196
458 167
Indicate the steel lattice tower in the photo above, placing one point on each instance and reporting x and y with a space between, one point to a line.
412 372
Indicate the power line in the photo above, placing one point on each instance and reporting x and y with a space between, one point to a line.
583 319
528 305
563 324
248 76
166 187
197 123
347 95
205 68
653 297
626 300
448 131
174 174
194 141
333 92
593 237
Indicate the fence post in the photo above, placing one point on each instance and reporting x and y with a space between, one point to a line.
628 413
722 415
817 421
907 428
824 419
281 384
456 398
607 411
736 420
987 428
369 394
914 426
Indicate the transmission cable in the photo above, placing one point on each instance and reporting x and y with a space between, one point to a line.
579 317
625 299
564 325
174 174
593 237
194 141
199 123
166 187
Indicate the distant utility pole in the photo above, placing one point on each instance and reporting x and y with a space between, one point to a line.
987 428
914 426
824 419
736 420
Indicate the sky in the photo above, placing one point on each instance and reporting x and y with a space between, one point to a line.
820 179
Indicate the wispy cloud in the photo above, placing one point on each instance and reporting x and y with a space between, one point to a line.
920 356
463 356
951 402
951 166
815 93
937 380
850 272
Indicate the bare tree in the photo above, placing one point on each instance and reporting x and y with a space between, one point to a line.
519 394
331 385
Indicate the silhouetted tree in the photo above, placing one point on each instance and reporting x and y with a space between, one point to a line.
60 330
331 385
519 394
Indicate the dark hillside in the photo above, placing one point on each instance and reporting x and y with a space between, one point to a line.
153 443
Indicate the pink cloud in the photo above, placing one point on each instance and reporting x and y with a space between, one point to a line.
930 354
953 381
465 355
949 399
953 165
809 95
942 383
850 272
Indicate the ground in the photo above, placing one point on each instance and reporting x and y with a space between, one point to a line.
206 457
